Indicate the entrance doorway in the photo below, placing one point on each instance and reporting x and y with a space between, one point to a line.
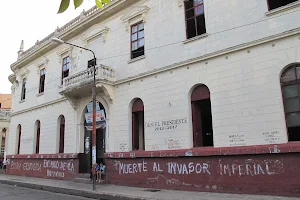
85 159
202 118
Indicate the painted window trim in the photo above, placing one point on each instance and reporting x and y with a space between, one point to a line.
282 8
135 14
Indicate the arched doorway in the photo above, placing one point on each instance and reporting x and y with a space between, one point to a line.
86 157
202 118
290 87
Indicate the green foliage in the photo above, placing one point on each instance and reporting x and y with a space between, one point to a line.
64 5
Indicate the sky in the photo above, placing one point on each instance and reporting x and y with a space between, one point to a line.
28 20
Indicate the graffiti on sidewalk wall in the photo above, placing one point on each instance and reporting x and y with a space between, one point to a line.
42 167
191 172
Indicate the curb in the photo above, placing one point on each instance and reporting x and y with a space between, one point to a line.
80 193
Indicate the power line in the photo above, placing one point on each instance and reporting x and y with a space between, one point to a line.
157 47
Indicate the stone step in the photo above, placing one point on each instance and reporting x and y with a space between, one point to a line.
87 176
82 180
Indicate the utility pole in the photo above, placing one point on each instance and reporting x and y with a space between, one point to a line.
94 109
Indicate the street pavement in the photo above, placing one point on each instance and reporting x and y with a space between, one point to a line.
8 192
112 192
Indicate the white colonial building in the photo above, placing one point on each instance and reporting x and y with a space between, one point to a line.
171 75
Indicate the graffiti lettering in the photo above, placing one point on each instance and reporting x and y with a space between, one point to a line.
175 168
15 165
132 168
55 164
251 168
29 166
55 174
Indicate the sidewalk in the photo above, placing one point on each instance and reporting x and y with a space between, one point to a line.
108 192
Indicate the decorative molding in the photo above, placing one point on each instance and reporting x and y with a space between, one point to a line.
73 102
65 50
43 63
12 78
108 91
283 8
13 89
23 73
95 31
39 106
180 3
137 13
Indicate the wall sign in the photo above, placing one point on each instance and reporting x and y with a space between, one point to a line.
166 124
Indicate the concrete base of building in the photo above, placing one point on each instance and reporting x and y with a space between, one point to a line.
268 169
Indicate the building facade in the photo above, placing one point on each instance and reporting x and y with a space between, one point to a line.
195 95
5 109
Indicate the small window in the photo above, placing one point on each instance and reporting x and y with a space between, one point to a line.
23 94
201 116
38 132
65 68
42 80
290 87
19 131
194 17
273 4
138 137
61 134
137 40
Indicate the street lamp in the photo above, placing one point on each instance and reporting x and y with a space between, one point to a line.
57 40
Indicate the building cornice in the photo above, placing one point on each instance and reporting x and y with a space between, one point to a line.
39 106
71 30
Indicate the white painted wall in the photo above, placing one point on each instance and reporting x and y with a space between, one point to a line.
245 89
49 136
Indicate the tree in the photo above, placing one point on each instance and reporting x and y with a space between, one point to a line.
64 5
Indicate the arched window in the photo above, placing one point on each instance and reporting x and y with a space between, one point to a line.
138 137
201 116
38 131
290 87
19 131
61 134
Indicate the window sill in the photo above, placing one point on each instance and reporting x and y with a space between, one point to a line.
136 59
22 101
283 8
40 94
195 38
